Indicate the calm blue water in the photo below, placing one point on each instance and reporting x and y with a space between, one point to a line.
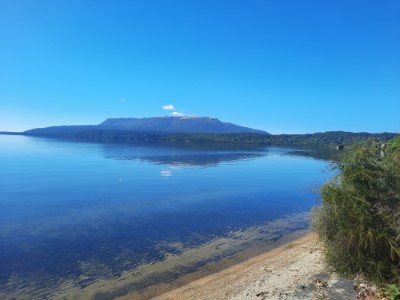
65 204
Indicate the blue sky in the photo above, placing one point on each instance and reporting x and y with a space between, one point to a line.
281 66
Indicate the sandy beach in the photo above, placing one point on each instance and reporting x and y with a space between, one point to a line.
292 271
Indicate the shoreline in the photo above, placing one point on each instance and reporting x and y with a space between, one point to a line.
266 276
158 291
294 270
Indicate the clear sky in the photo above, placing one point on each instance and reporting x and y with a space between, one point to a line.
281 66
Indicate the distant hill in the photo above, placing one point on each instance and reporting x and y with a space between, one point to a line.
176 124
59 130
155 124
321 139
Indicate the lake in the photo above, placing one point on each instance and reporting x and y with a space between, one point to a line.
83 220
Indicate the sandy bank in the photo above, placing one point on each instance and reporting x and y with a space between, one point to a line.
292 271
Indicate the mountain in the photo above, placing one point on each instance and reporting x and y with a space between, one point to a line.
155 124
176 124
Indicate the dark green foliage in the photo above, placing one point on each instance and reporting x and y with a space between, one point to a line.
392 291
324 139
394 145
359 220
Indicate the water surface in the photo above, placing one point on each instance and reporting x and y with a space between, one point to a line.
90 220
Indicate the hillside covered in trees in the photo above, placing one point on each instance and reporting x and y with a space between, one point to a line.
328 139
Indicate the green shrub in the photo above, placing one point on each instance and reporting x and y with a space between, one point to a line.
392 291
359 219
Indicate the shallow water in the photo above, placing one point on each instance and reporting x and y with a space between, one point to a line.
90 220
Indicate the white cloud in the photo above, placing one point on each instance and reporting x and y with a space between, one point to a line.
168 107
177 114
166 173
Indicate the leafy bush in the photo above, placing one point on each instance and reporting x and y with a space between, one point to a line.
392 291
359 219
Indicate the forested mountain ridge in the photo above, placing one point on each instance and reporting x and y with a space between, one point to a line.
331 138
